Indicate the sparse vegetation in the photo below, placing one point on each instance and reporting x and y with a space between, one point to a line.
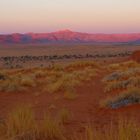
63 82
21 125
70 95
125 130
51 129
125 76
50 80
125 80
58 80
123 66
65 115
132 96
18 62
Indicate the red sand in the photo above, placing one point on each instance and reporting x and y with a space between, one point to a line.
136 56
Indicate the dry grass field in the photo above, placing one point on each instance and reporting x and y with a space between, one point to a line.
78 99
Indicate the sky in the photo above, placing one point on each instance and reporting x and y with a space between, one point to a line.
92 16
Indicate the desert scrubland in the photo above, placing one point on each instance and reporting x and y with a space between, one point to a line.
67 94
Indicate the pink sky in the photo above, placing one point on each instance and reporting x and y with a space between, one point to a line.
93 16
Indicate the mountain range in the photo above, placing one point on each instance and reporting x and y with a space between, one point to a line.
67 36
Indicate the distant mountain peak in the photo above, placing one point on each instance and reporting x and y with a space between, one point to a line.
65 31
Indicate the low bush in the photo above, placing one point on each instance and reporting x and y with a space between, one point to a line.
131 96
120 85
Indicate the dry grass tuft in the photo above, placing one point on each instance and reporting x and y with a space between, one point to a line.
51 129
123 66
70 95
65 115
125 130
21 123
27 81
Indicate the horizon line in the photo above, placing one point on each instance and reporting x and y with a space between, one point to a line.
67 30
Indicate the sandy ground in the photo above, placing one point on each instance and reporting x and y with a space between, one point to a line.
86 107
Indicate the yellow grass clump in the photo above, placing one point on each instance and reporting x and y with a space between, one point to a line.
27 81
21 123
83 64
51 129
123 66
40 73
125 130
70 95
64 115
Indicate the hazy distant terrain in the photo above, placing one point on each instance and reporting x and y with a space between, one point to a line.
61 49
67 36
32 55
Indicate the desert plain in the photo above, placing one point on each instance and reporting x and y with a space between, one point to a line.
69 92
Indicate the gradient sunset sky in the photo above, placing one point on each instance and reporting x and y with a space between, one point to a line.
93 16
